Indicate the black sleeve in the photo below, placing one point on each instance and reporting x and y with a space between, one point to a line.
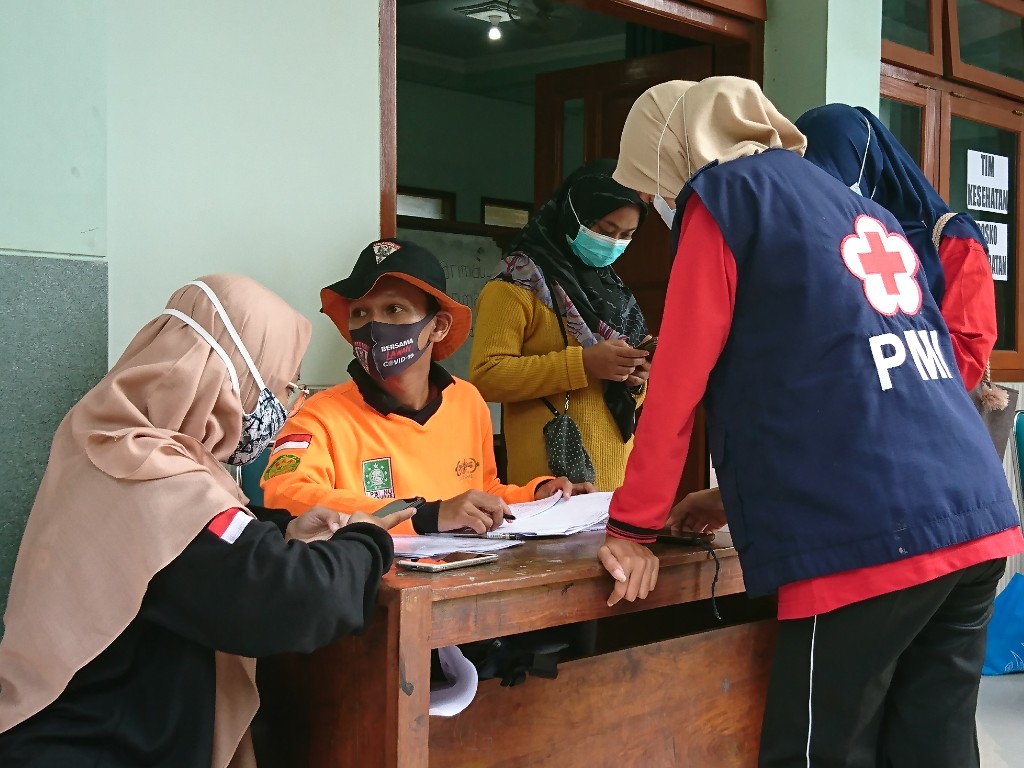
260 596
279 517
426 518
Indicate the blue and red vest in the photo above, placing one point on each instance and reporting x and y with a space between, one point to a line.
840 430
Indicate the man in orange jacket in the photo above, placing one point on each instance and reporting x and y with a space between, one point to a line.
403 426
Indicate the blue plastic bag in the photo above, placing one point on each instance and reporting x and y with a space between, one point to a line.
1005 652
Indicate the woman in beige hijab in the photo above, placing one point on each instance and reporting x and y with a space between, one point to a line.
797 312
144 588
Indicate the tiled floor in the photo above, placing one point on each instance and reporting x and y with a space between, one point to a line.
1001 721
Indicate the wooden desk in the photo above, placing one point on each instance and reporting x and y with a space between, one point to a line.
695 700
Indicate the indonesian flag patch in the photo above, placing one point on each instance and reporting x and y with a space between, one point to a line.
292 442
229 524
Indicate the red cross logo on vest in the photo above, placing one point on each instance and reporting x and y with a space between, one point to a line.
886 264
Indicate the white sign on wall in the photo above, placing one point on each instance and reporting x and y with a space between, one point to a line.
988 182
998 237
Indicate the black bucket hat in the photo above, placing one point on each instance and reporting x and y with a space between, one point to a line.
410 263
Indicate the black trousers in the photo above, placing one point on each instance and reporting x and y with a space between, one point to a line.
891 682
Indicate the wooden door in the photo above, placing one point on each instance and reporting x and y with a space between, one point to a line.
607 91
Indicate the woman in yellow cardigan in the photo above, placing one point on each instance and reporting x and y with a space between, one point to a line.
527 358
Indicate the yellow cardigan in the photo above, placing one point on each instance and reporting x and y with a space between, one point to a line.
518 357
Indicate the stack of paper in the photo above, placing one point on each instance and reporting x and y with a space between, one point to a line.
562 517
439 544
553 516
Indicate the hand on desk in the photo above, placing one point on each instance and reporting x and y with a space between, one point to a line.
563 486
320 523
698 511
473 509
633 566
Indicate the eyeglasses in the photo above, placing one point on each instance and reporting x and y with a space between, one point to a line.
297 394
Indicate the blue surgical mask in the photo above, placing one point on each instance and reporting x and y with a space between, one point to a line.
260 427
596 249
593 248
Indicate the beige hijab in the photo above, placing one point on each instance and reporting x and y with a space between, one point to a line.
676 128
134 475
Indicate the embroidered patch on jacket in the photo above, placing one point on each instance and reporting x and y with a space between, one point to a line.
885 264
467 467
377 480
294 442
229 524
382 250
282 465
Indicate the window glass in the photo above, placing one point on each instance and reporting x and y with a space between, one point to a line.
506 215
991 38
904 120
906 22
422 206
982 170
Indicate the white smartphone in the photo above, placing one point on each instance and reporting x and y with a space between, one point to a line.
447 562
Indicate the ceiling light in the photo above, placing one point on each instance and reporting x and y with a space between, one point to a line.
494 33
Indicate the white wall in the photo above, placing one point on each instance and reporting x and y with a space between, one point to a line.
52 127
243 136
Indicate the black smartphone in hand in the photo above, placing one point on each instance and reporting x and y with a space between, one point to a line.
649 346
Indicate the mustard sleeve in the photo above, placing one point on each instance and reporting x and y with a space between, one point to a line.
298 478
497 365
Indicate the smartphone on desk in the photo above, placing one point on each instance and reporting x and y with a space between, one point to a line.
687 538
447 562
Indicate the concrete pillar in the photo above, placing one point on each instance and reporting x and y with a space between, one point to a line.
822 51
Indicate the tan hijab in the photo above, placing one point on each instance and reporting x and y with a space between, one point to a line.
676 128
133 477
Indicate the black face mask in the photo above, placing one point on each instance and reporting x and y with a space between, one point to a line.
388 349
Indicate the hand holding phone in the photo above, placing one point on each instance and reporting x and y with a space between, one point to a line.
648 346
447 562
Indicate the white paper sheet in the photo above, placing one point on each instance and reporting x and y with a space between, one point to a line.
432 546
462 683
568 516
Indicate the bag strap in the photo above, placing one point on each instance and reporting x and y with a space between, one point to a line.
565 337
940 225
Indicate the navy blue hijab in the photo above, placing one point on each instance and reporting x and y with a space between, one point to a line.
855 147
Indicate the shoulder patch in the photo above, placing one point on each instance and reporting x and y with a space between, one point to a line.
229 524
292 442
282 465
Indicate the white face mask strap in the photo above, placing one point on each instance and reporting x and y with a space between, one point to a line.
568 196
593 233
864 160
209 340
662 137
231 332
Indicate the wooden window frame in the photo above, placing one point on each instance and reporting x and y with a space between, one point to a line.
968 73
927 98
1007 365
447 201
906 56
953 99
722 21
